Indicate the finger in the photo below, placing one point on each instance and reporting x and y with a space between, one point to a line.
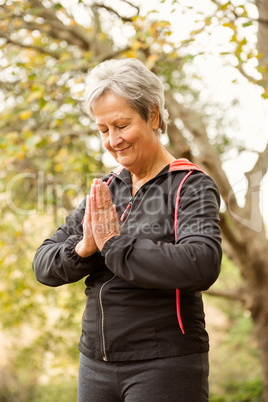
114 226
93 187
88 209
106 196
96 182
93 209
99 196
87 232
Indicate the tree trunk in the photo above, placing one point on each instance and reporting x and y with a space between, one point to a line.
262 44
244 237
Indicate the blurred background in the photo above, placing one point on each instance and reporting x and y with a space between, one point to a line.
212 56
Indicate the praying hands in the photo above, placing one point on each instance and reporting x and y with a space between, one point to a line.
100 221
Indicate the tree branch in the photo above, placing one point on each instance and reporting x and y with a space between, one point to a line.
9 85
239 67
84 39
132 5
102 58
259 20
238 295
254 178
111 10
73 33
178 144
231 234
34 47
114 54
261 164
208 157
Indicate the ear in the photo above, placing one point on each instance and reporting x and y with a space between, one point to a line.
154 118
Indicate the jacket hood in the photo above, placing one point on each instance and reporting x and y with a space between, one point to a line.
183 164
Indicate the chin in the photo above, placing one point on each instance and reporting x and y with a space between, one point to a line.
125 161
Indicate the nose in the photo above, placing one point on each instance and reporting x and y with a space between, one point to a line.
115 138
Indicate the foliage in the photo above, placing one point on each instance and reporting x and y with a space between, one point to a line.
50 152
241 391
232 345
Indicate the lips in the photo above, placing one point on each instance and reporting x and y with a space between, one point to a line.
120 151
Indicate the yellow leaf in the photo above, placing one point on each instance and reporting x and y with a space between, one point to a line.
51 80
25 115
17 23
58 167
64 57
151 60
35 95
78 80
135 18
229 25
265 94
163 24
131 54
135 44
11 134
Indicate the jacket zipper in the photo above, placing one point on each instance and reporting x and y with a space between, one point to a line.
129 206
103 349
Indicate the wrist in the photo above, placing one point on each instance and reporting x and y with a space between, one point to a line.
82 250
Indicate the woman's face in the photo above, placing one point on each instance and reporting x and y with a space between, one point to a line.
132 141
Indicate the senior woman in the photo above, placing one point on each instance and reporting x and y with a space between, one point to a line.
148 242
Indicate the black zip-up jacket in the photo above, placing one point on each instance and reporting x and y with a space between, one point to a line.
144 289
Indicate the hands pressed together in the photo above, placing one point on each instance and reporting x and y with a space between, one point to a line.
100 223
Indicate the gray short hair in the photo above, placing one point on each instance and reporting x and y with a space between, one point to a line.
130 79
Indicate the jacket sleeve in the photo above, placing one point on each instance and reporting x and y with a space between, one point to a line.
192 263
56 262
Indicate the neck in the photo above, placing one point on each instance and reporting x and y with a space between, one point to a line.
162 159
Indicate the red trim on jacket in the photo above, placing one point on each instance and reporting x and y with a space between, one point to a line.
175 231
109 180
181 164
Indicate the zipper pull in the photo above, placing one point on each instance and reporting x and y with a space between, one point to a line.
124 213
127 208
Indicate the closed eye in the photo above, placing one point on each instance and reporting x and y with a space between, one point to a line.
106 131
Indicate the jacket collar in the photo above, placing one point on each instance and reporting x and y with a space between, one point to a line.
183 164
178 164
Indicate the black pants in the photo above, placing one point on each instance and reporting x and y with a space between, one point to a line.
173 379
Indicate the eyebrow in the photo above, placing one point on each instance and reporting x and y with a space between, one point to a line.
116 121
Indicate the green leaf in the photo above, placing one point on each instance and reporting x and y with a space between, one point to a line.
247 24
